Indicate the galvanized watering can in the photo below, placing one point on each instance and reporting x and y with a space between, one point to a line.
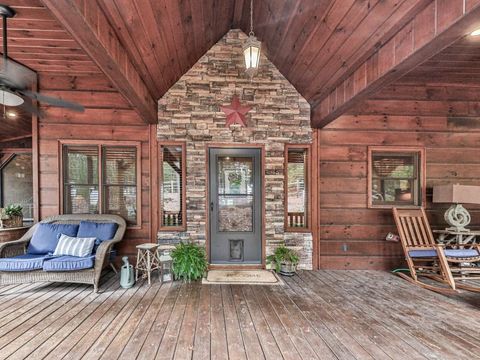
127 279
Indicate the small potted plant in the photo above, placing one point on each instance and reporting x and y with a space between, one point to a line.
285 260
14 216
189 262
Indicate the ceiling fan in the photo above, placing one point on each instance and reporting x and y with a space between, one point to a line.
16 79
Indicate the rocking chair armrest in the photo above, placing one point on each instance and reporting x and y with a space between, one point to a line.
13 248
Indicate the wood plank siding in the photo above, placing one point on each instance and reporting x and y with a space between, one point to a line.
107 117
316 315
434 117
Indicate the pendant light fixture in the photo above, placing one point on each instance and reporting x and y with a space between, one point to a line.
251 48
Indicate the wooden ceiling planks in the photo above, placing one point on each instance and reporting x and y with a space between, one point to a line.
188 39
316 44
37 40
284 27
419 40
456 65
166 38
143 53
91 28
388 19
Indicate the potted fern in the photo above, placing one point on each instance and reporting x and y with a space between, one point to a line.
284 260
189 262
14 216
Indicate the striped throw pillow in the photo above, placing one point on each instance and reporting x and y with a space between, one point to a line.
73 246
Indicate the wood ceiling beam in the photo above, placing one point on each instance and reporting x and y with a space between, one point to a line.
434 28
89 26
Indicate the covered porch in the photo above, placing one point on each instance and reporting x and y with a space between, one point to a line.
134 126
322 314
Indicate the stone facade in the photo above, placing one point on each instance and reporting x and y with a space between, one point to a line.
190 111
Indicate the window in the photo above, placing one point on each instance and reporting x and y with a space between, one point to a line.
80 180
396 177
172 186
16 183
120 182
102 179
297 192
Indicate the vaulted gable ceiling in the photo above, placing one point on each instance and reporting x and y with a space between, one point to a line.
145 46
317 43
314 43
166 38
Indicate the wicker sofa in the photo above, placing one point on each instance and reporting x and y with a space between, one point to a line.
85 276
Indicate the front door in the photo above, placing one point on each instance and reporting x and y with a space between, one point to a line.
235 206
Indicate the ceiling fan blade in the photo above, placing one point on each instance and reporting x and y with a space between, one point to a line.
15 75
34 110
53 101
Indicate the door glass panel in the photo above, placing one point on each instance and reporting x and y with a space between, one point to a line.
235 194
235 213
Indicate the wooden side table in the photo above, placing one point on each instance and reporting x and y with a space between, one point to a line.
10 234
147 261
449 237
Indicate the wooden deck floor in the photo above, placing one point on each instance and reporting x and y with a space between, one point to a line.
317 315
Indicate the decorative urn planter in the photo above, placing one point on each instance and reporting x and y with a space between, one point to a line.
288 268
11 216
13 221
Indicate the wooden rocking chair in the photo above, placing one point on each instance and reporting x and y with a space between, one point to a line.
429 259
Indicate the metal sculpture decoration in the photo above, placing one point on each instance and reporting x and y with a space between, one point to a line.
456 194
457 217
235 112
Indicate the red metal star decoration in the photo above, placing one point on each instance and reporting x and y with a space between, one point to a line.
235 112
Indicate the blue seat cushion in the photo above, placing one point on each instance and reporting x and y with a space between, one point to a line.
45 238
422 253
461 253
69 263
101 231
458 253
27 262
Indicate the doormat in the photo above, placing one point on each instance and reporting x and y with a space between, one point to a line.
242 277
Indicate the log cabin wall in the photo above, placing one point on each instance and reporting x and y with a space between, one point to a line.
107 117
443 119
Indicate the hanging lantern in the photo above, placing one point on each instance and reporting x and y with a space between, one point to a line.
251 53
251 48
